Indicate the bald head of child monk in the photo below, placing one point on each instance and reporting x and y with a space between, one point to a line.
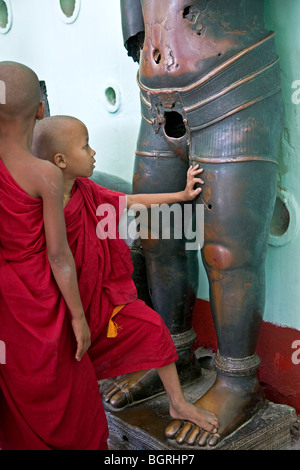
22 99
64 140
52 135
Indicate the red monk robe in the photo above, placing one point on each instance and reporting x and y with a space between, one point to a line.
47 399
104 270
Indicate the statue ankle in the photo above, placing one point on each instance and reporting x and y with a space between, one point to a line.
237 367
184 346
239 373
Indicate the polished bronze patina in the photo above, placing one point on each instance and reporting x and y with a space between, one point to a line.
209 83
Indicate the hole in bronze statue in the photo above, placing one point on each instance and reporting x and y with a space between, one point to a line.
157 56
174 125
3 15
280 220
111 96
68 7
190 13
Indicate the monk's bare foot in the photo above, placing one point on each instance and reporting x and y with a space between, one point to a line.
130 389
200 418
233 400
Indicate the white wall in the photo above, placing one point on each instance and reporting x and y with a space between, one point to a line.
77 61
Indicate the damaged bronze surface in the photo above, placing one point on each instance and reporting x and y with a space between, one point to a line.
209 81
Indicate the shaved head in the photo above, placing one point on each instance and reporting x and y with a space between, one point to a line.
22 91
52 135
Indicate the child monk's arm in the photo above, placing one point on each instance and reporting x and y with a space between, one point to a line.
188 194
59 254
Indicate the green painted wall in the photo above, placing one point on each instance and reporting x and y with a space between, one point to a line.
283 262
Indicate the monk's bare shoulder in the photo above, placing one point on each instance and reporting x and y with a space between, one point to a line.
48 178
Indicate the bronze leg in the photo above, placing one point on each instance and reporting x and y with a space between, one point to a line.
172 273
241 197
239 200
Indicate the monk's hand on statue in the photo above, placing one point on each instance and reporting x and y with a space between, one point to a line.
193 179
82 334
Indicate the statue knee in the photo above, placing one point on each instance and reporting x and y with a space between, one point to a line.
220 257
217 256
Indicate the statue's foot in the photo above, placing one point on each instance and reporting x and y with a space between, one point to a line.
234 400
133 388
130 389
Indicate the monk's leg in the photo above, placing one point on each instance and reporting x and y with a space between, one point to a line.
179 407
145 341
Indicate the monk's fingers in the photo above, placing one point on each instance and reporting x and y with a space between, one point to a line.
194 170
79 351
195 192
82 348
198 180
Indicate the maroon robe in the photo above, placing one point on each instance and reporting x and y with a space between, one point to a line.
48 400
104 269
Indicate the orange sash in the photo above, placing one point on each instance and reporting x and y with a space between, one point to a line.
112 329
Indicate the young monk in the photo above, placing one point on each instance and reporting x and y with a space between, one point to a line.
126 334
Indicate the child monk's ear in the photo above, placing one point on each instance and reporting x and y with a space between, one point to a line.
60 161
41 111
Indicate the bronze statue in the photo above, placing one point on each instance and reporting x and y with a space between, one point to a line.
209 83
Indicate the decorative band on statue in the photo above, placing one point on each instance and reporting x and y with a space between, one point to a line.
184 340
233 366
